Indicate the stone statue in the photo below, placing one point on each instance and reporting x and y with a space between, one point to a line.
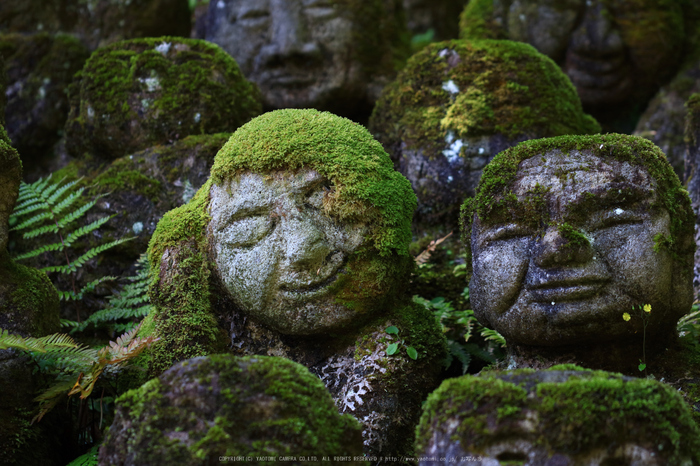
297 246
456 104
564 417
616 53
570 237
221 405
329 55
139 93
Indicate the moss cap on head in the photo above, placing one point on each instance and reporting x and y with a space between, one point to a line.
565 410
498 177
367 188
478 88
227 405
139 93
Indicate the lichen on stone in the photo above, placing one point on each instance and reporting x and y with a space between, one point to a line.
130 96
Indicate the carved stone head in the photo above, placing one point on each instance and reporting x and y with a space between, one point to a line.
326 54
614 51
568 234
456 104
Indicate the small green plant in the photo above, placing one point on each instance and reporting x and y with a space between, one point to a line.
466 337
644 312
54 209
393 348
689 324
77 367
125 309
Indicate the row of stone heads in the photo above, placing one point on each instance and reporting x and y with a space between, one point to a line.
257 409
565 234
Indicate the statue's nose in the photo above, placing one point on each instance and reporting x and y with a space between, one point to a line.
306 246
597 35
290 36
561 246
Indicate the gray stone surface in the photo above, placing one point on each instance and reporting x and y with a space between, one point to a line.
538 287
309 54
560 417
663 122
278 253
207 408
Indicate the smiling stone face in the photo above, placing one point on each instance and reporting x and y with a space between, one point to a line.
298 52
583 245
614 51
277 251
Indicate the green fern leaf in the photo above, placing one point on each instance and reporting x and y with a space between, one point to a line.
67 201
51 200
76 214
82 231
31 221
80 261
69 295
35 252
27 207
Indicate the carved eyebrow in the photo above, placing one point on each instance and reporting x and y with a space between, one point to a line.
617 194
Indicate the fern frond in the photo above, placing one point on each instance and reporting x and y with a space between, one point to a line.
56 342
76 214
67 202
493 335
40 250
31 221
51 200
71 296
27 207
84 230
50 397
80 261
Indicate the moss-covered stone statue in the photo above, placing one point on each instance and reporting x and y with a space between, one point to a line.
334 55
97 23
40 67
28 307
296 246
582 252
143 92
457 104
663 122
616 52
564 417
206 408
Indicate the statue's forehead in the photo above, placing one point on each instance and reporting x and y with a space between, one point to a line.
253 189
575 171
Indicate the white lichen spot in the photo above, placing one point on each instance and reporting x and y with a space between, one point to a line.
452 151
145 103
152 83
443 53
137 227
450 179
522 17
619 211
481 150
163 48
39 27
197 117
552 303
188 192
601 146
90 112
450 87
220 4
41 93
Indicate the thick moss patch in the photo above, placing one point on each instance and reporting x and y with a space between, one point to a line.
251 406
143 92
577 411
458 90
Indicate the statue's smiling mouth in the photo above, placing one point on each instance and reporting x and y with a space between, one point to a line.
555 291
304 283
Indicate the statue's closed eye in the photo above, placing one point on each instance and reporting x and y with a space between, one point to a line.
246 232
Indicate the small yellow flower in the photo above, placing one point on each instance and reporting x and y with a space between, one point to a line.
647 308
626 316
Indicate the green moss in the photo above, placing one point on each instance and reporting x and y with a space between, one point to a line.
193 88
495 188
477 21
499 87
365 189
115 178
295 417
577 411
